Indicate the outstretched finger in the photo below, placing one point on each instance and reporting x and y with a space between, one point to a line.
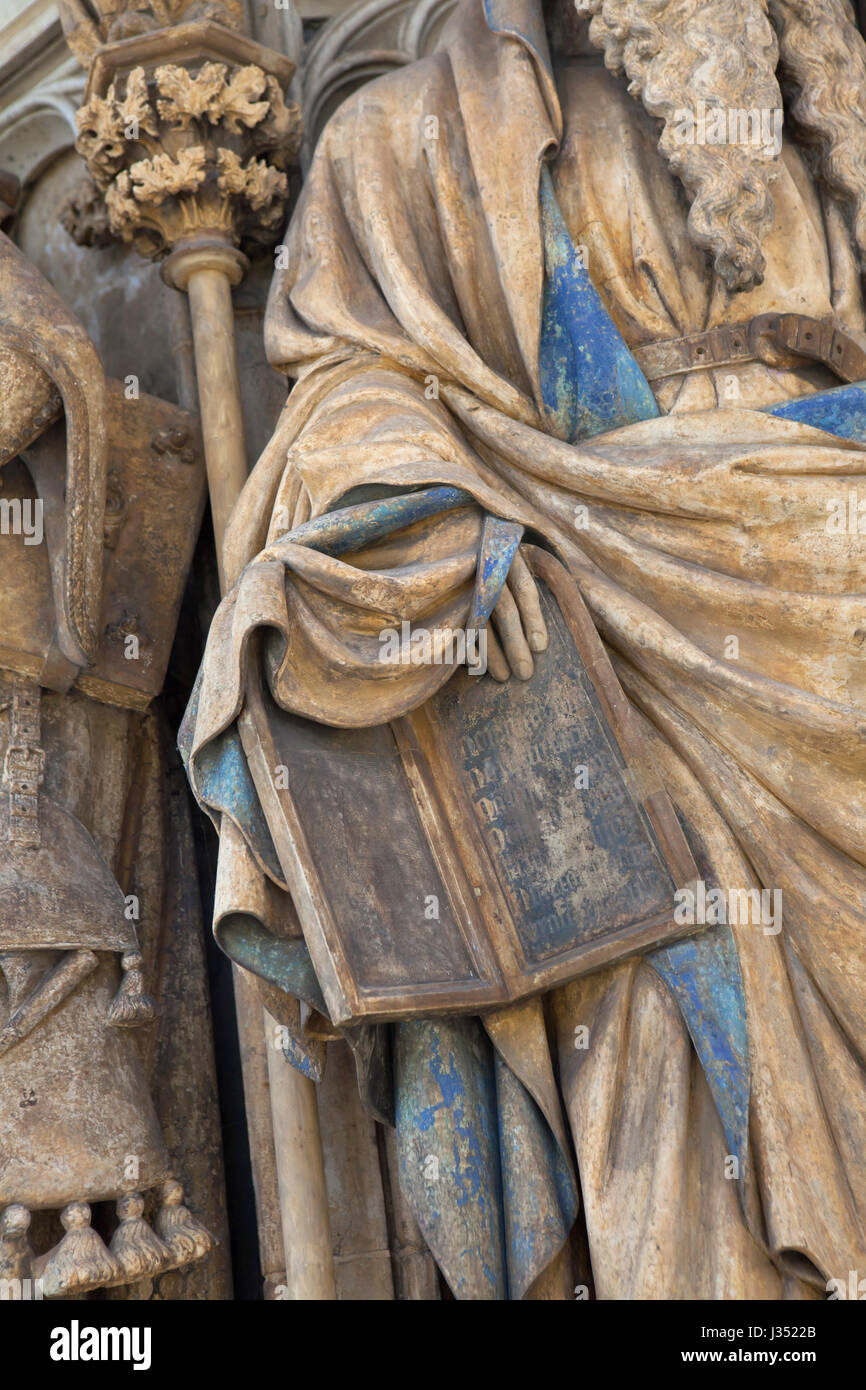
496 663
510 632
525 591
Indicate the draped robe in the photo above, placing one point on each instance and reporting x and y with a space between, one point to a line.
412 313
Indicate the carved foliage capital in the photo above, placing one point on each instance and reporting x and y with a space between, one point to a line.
183 148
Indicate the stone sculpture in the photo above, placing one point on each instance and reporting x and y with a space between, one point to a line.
608 305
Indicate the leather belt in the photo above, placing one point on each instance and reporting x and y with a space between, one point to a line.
777 340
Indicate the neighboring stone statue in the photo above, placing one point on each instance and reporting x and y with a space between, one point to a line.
605 307
97 502
190 138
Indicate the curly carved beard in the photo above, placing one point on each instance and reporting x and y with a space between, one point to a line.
823 74
721 56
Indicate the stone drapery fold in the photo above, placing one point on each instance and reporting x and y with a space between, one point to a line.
410 314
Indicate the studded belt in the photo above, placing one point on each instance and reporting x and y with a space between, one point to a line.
778 340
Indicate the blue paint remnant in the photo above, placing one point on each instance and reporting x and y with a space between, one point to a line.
840 411
496 1213
491 1190
587 388
448 1145
539 1197
296 1058
591 383
284 963
499 542
224 783
528 25
589 380
223 778
351 528
703 974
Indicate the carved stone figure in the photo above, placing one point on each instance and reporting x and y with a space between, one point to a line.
591 274
97 499
187 132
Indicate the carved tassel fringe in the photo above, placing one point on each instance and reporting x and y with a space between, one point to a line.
136 1248
130 1006
185 1237
16 1256
80 1261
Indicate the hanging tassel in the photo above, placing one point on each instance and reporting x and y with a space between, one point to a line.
130 1006
80 1261
185 1237
15 1254
137 1249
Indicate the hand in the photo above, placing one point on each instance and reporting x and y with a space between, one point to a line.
520 628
